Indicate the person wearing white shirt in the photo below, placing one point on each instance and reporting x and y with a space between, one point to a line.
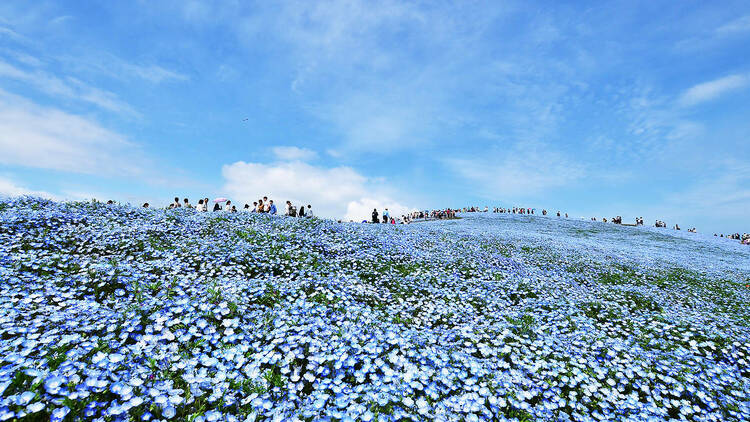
308 212
228 206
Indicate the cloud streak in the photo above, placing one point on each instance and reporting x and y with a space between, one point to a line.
526 170
42 137
714 89
70 88
292 153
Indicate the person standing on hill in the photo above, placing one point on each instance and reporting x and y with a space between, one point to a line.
309 212
271 207
288 208
375 215
302 211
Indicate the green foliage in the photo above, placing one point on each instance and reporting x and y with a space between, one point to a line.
57 355
599 312
523 326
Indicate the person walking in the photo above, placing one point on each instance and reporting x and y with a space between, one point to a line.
375 216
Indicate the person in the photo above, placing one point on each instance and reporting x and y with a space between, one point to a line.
266 205
217 207
176 203
260 206
228 206
234 209
246 208
186 203
255 207
385 215
309 212
145 205
375 215
288 208
292 211
393 220
110 202
201 206
271 207
302 211
205 204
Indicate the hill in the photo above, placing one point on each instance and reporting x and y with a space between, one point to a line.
119 312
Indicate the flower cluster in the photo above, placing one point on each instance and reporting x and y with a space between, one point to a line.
112 312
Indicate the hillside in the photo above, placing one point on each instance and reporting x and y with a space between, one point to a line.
120 312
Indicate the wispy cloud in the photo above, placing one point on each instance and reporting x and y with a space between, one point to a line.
117 68
738 25
42 137
9 187
70 88
292 153
526 170
711 90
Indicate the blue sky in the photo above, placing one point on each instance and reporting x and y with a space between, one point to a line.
599 109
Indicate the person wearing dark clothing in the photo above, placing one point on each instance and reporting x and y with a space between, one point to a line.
217 207
375 216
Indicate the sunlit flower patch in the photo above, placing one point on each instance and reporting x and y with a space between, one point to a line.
118 313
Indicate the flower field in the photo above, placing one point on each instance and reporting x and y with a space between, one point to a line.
119 313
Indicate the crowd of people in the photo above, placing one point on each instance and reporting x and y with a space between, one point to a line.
744 238
266 206
387 218
262 206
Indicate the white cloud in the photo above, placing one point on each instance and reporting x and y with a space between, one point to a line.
362 209
43 137
738 25
71 88
716 202
526 169
338 192
152 73
11 188
292 153
707 91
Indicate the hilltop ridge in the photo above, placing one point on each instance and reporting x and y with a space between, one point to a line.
114 311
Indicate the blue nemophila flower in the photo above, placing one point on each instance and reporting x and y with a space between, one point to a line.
489 318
